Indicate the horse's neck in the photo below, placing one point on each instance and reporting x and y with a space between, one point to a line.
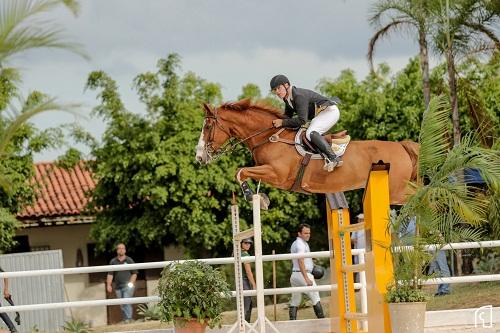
245 125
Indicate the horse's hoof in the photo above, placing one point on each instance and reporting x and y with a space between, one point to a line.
264 201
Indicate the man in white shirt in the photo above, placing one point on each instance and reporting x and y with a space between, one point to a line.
301 274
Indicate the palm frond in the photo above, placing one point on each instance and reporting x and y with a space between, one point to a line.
384 31
28 111
22 29
434 136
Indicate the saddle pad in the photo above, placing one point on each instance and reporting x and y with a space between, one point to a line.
339 146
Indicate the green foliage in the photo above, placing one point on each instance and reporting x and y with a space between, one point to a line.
22 29
152 187
8 227
444 207
152 312
405 294
192 289
76 326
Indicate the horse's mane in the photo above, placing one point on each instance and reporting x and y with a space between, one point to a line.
246 105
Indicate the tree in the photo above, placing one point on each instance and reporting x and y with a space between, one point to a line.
151 190
21 30
410 16
464 28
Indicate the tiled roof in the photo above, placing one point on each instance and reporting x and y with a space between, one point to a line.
62 192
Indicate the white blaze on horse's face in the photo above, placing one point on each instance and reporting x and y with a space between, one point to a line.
201 153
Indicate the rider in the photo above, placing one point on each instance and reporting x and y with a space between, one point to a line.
305 102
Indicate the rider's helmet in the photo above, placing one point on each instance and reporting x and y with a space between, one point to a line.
247 240
278 80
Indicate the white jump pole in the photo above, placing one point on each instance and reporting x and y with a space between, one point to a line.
259 274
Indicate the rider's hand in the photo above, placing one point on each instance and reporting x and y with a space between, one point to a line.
309 282
277 123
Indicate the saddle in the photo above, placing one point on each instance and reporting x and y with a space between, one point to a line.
338 141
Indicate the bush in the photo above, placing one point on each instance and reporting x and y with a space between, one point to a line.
192 289
405 294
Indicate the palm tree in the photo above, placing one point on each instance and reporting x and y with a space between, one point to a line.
410 16
446 208
464 28
21 30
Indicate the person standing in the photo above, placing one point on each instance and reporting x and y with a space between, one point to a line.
440 266
122 281
3 315
248 278
301 274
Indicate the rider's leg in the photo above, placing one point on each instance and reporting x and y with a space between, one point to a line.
319 125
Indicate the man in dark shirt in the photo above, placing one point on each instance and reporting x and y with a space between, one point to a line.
123 281
3 315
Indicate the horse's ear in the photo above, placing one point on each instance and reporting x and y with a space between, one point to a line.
208 109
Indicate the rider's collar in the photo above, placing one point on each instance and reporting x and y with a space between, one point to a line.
289 99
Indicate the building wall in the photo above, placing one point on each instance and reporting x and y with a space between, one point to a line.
70 238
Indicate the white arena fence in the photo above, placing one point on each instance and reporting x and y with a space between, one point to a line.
226 261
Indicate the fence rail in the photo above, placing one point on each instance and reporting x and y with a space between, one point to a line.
225 261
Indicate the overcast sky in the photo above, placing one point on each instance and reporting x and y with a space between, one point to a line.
231 42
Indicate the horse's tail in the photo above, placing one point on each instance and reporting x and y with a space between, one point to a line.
412 148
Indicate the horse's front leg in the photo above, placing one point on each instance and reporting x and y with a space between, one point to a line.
265 173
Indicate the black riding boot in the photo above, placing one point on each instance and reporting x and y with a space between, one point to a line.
8 322
332 160
292 310
248 315
318 310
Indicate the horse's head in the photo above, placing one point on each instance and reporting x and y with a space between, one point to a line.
213 136
244 120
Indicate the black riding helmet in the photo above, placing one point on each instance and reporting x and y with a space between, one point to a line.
278 80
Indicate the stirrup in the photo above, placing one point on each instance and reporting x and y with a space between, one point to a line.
330 165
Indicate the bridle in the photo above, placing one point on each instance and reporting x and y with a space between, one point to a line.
231 144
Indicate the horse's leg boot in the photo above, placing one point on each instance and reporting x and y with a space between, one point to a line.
292 311
332 160
318 310
247 191
264 201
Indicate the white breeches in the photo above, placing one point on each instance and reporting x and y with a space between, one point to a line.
323 121
297 280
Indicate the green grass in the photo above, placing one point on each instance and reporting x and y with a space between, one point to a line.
470 295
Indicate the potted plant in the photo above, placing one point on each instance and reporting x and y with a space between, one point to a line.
442 209
193 295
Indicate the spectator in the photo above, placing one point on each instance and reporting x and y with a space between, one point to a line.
3 315
248 279
301 274
122 281
440 266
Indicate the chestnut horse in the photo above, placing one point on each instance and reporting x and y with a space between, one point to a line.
277 163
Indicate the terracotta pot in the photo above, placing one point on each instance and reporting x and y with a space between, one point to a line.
407 317
189 326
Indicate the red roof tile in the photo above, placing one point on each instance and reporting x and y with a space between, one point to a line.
62 192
